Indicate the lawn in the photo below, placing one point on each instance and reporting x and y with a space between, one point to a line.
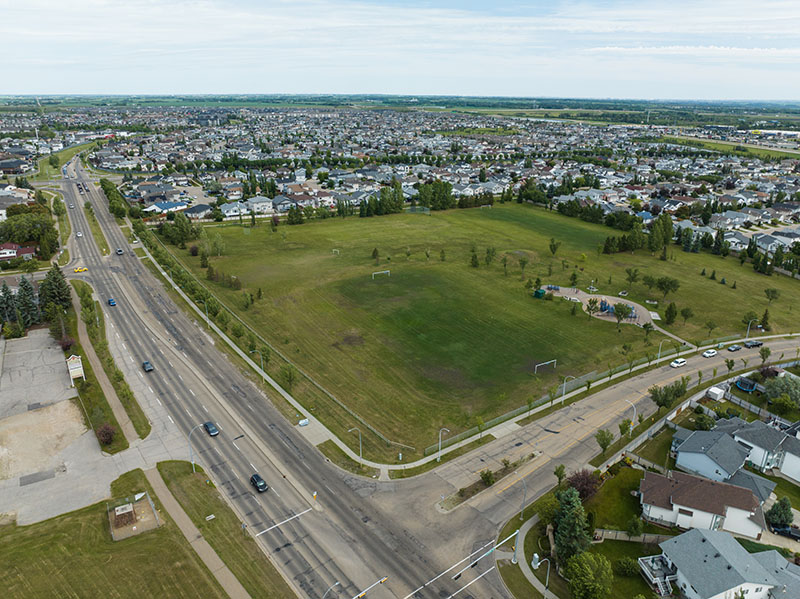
784 487
626 586
46 171
73 556
613 505
621 442
336 456
239 551
439 343
656 449
97 232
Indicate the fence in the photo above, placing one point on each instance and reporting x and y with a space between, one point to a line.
618 535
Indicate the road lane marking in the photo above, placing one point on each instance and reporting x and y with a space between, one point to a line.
130 358
161 352
192 392
330 490
236 446
218 451
149 387
180 377
117 334
170 419
253 467
140 375
187 412
124 347
159 401
171 365
205 409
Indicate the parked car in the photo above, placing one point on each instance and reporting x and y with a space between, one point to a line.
112 301
148 367
734 347
211 429
119 252
709 353
259 483
677 363
787 531
753 343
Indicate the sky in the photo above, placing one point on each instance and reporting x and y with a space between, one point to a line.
649 49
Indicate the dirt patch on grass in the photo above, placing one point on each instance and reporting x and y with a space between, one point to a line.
451 377
350 339
28 441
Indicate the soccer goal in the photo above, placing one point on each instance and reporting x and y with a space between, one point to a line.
388 273
335 251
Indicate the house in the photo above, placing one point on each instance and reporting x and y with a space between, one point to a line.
259 205
711 564
687 501
198 211
770 448
9 251
712 454
164 207
234 209
12 166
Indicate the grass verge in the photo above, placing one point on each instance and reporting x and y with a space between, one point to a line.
516 582
97 232
114 374
409 472
331 451
199 498
73 556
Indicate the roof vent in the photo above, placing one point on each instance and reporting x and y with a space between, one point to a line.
716 555
729 566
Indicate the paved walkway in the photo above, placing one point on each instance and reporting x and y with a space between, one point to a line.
522 562
120 414
224 576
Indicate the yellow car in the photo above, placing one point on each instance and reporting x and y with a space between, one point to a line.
80 269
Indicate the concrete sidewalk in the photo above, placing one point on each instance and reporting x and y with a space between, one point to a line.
224 576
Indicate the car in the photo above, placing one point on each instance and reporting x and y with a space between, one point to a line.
120 252
78 234
753 343
258 482
112 301
575 299
734 347
147 366
677 363
709 353
787 531
80 269
72 205
211 429
623 293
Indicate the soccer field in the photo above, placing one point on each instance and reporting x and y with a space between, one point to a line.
439 342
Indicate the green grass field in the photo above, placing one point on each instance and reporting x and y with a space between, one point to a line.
47 171
73 556
440 343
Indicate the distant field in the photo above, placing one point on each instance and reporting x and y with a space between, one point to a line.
73 556
733 147
442 343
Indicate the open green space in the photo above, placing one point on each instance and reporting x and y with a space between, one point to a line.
48 171
97 334
97 232
626 586
731 147
200 498
754 547
656 449
336 456
439 343
73 556
516 582
621 442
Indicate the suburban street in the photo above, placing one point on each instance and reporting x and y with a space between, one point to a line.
352 530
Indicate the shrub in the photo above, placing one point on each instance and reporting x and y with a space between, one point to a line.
106 433
635 526
66 342
194 250
704 422
585 482
698 409
487 476
626 566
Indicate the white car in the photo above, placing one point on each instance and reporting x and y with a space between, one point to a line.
709 353
78 234
677 363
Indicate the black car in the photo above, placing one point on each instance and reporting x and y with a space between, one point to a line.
787 531
753 343
148 367
259 483
211 429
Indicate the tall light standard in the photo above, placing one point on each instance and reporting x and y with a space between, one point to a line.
263 374
535 563
658 357
748 327
355 428
524 497
206 307
191 453
441 430
630 430
329 589
564 387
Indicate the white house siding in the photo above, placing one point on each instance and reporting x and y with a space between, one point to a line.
738 522
701 464
749 590
791 467
757 456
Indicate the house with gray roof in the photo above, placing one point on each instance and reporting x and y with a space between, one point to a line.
712 454
710 564
785 573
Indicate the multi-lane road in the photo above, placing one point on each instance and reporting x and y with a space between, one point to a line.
355 531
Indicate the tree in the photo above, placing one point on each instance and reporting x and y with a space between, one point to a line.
592 306
554 245
106 433
621 312
777 386
289 375
710 325
560 472
780 514
765 321
604 437
729 364
631 276
487 477
704 422
523 262
667 285
547 509
648 328
474 260
625 427
686 314
54 289
765 353
504 262
671 313
53 161
649 282
571 537
782 405
590 576
635 526
573 279
26 304
749 317
376 255
442 255
772 294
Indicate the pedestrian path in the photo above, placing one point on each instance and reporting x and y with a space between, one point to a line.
221 572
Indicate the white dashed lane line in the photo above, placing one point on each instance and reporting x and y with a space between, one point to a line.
192 392
170 419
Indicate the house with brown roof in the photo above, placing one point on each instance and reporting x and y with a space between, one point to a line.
687 501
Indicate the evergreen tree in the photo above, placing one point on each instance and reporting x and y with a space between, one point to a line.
765 321
570 521
671 313
8 305
54 289
26 303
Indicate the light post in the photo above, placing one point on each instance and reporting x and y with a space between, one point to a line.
524 497
748 327
630 430
516 547
374 584
441 430
191 453
205 305
355 428
263 374
535 563
658 357
329 589
564 387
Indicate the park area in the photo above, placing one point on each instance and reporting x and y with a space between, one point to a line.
446 341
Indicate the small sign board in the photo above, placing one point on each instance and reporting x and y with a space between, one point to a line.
75 368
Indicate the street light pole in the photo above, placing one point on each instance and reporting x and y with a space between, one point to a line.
748 327
355 428
329 589
564 387
205 305
441 430
659 354
630 430
524 497
263 374
191 453
535 563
